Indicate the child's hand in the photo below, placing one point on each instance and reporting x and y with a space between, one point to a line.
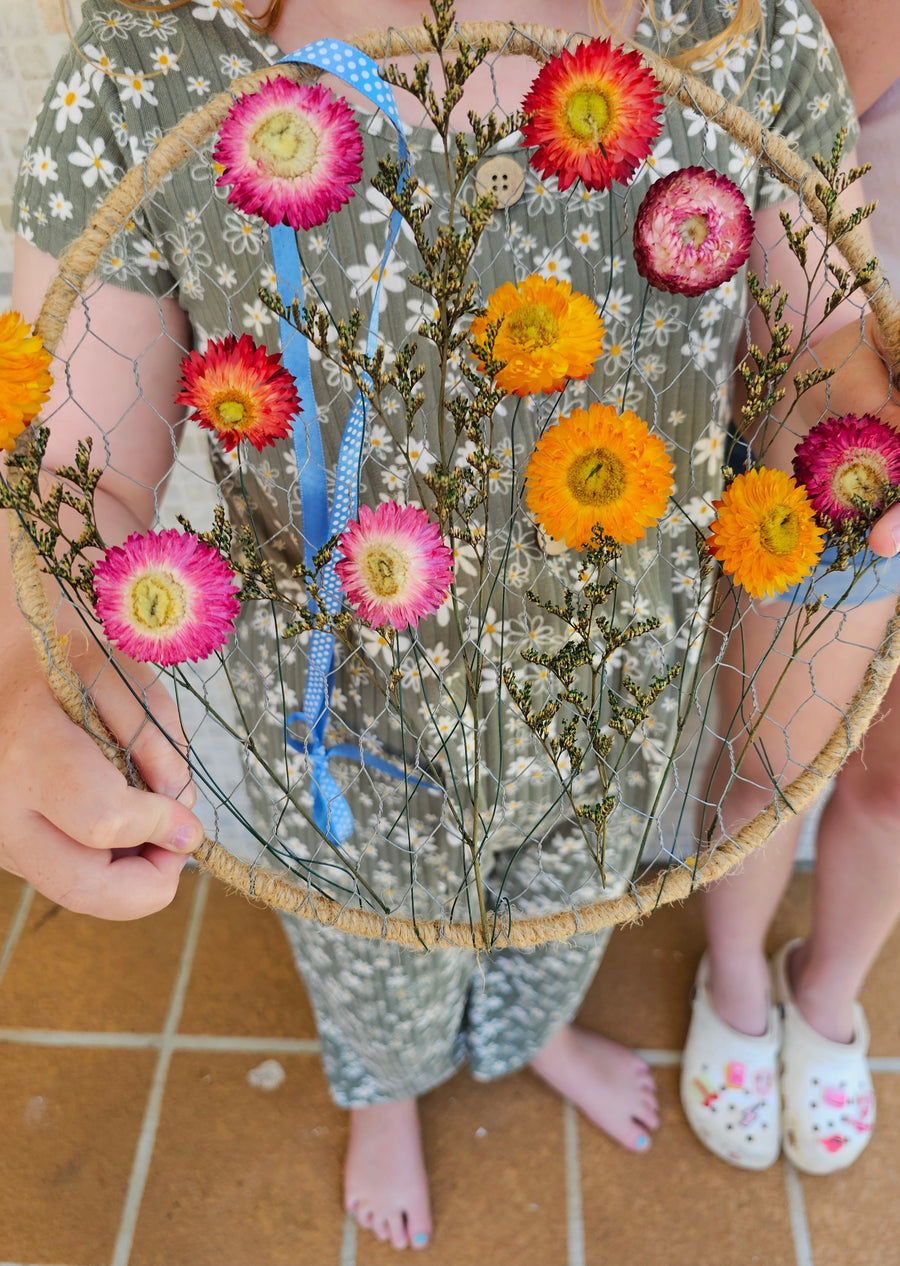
70 823
884 538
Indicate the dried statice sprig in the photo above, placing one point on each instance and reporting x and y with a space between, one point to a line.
50 510
594 714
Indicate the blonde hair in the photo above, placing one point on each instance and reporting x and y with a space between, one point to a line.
747 19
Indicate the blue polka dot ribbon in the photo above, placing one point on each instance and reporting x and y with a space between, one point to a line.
331 813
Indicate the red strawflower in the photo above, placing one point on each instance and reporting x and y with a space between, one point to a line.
593 115
240 391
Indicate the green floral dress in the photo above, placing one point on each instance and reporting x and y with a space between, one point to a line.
395 1023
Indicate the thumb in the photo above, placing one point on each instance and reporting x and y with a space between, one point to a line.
884 536
89 801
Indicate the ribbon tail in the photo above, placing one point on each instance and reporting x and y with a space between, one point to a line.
331 813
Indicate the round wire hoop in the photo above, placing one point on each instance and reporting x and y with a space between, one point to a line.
271 888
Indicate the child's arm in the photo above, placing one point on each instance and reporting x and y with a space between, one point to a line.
66 811
866 33
860 383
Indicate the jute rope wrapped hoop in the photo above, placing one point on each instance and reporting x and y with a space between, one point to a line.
271 888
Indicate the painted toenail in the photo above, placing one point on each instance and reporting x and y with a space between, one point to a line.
642 1142
419 1241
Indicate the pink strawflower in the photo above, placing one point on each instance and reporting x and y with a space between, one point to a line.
290 152
165 597
395 566
843 460
692 232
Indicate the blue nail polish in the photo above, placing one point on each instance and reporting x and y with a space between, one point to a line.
642 1142
419 1241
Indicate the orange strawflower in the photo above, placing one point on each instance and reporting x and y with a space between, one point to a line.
598 468
25 377
548 334
766 535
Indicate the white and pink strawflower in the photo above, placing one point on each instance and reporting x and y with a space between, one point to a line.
165 597
847 464
291 153
395 567
692 232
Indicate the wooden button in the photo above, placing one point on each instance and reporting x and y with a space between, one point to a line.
502 177
550 545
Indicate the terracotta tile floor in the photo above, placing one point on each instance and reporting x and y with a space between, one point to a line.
131 1130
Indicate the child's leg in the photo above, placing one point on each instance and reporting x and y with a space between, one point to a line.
857 894
802 683
737 912
390 1023
520 1013
813 684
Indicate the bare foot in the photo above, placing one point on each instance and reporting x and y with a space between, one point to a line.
385 1184
611 1085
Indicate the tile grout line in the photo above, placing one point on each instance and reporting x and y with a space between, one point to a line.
659 1058
233 1043
797 1208
117 1040
884 1063
574 1218
144 1151
348 1241
16 928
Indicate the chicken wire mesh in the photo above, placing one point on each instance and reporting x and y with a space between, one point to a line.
521 759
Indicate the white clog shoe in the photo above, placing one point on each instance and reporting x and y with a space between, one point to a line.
729 1084
828 1101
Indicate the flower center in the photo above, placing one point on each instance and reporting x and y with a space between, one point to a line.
597 478
694 230
588 115
232 412
285 144
157 601
862 475
532 325
779 530
385 569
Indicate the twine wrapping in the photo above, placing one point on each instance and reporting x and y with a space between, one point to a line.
271 888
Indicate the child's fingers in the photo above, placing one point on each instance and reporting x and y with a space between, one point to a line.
884 537
146 721
89 801
94 883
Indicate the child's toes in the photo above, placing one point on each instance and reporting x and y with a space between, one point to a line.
649 1112
395 1227
638 1138
418 1222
